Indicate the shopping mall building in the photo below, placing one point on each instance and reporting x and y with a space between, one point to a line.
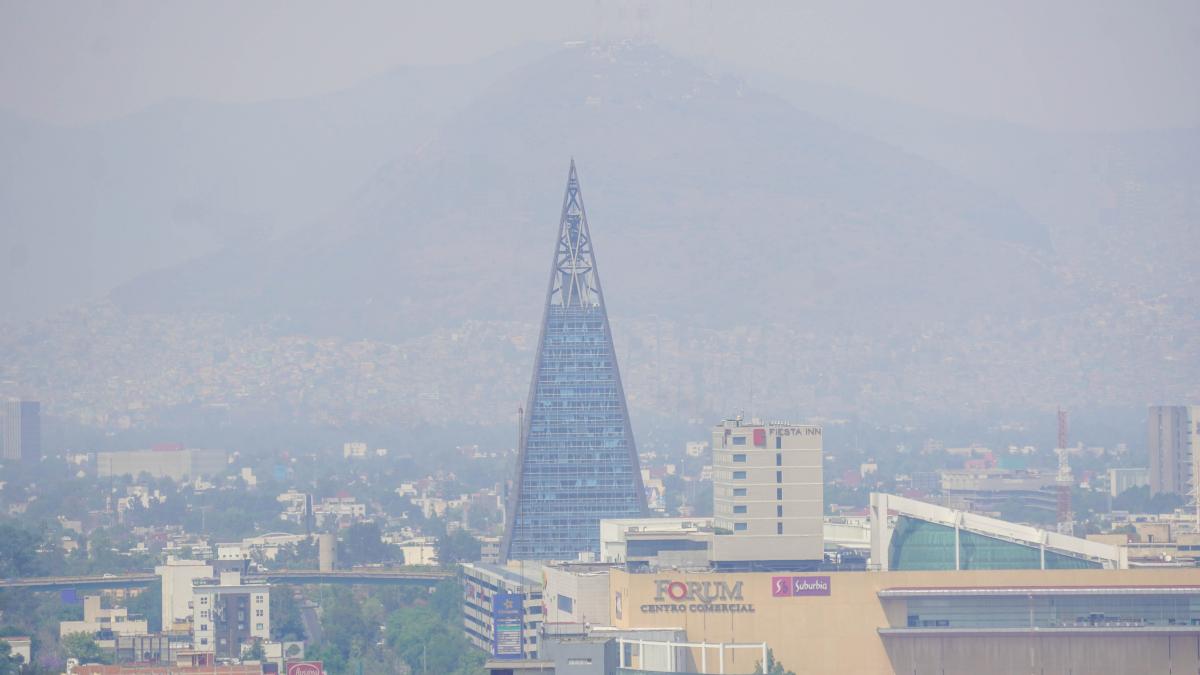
945 591
978 621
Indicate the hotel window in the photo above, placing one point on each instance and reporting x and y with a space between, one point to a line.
778 528
740 457
739 492
740 508
779 511
739 527
203 626
258 626
203 641
566 603
259 612
739 475
778 476
779 459
739 440
258 599
778 493
779 442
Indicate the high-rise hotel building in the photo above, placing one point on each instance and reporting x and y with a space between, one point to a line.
768 495
1174 448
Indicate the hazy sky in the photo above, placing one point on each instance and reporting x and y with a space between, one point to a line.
1088 65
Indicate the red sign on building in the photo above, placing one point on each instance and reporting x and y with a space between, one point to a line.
760 438
305 668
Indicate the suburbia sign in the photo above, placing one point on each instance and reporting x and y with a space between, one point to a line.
784 587
697 596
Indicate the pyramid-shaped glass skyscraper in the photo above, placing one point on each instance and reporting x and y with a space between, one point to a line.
577 462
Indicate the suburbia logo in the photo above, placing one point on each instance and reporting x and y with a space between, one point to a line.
697 596
784 587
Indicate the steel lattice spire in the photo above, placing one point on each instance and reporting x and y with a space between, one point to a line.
574 281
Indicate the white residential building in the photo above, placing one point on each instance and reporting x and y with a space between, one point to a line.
178 578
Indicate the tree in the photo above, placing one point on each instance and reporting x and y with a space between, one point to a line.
458 546
446 600
83 647
1164 502
298 556
256 652
1016 510
148 604
345 628
1138 500
363 543
430 645
10 664
286 621
773 667
18 557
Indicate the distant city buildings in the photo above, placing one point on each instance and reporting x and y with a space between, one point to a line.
164 461
103 624
1174 447
339 510
1120 480
21 438
577 461
992 490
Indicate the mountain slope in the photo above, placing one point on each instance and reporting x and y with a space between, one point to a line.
84 209
703 194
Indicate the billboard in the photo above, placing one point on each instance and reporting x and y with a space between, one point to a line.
305 668
794 587
507 623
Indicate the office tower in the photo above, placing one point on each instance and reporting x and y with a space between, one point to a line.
768 496
22 436
577 461
1174 447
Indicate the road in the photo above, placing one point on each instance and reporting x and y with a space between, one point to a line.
294 577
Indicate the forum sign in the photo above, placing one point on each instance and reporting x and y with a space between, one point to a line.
710 597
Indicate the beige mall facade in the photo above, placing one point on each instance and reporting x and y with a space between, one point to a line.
1048 622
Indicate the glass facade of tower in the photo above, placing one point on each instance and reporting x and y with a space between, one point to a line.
577 461
577 467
